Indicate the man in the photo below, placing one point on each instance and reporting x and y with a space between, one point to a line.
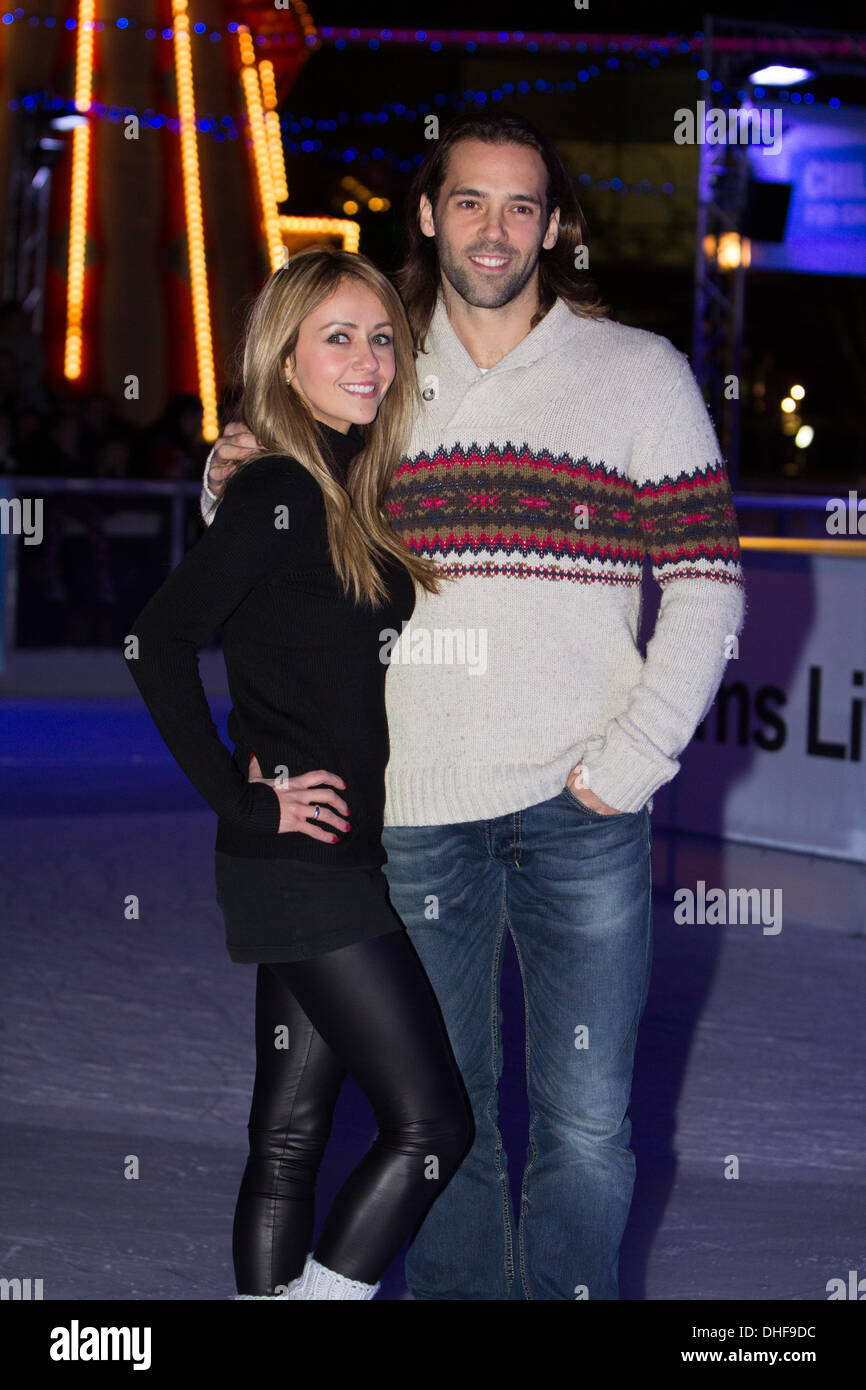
556 449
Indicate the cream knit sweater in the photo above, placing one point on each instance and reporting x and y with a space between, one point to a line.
542 484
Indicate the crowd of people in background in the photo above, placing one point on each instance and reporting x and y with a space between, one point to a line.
76 589
46 434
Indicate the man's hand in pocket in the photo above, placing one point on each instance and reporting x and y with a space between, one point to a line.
578 786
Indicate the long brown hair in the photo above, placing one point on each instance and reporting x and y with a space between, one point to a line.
282 422
418 279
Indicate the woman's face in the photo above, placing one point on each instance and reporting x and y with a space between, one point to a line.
344 359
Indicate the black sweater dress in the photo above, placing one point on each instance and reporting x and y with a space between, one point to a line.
306 670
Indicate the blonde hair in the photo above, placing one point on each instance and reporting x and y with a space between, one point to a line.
281 421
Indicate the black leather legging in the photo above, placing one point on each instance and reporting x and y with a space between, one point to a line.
369 1010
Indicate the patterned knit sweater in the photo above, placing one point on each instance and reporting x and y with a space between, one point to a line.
543 484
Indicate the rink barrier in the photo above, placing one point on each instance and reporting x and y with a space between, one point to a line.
781 510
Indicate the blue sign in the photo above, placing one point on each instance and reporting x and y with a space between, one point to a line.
823 157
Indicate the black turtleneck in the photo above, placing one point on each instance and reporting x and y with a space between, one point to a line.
341 448
303 662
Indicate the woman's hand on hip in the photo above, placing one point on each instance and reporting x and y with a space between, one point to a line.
299 797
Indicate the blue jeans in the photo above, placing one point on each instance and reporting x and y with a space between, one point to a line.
574 889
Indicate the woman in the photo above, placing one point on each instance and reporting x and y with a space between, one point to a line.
303 572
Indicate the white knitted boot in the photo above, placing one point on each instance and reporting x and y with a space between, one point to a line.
319 1282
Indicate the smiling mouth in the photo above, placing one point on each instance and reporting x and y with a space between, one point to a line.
490 262
358 388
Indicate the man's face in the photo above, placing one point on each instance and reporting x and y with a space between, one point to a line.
490 222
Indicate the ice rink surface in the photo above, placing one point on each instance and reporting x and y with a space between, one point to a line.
128 1038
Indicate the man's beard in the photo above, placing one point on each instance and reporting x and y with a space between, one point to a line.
479 294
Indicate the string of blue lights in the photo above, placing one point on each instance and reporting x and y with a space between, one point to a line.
350 155
292 124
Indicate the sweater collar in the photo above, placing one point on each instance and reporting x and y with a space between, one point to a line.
557 327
